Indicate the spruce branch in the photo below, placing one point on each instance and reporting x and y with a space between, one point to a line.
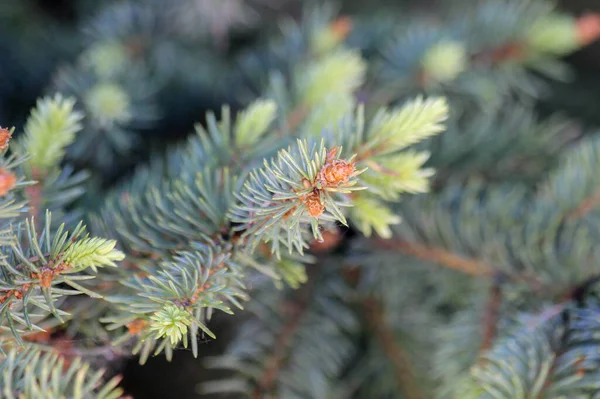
543 357
51 127
370 214
338 72
440 256
304 185
36 267
283 321
491 314
580 290
106 351
405 376
297 308
394 130
585 206
253 123
32 373
172 302
35 199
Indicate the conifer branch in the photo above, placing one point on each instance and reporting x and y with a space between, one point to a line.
440 256
274 363
491 313
191 224
106 351
499 55
405 376
578 292
35 201
585 206
563 346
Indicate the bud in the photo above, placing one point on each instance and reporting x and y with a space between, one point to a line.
335 173
5 136
314 205
588 28
445 61
341 27
331 36
45 277
137 326
7 181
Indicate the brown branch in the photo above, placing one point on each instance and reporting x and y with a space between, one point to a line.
17 293
585 206
107 351
441 256
294 119
578 292
499 55
490 315
35 199
35 194
405 376
297 308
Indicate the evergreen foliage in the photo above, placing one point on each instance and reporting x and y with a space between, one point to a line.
354 159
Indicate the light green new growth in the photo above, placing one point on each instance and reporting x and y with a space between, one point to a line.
340 72
445 61
106 58
553 34
109 103
92 252
396 174
371 214
253 123
415 121
51 127
292 272
329 113
197 224
171 322
391 172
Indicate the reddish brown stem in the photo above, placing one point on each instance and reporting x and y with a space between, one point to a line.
294 119
405 376
490 316
438 255
501 54
585 206
297 309
35 201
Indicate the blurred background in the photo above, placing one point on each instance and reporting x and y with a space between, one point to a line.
181 58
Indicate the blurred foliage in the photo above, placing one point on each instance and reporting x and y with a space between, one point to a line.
145 80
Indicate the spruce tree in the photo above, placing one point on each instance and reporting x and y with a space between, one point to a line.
373 204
